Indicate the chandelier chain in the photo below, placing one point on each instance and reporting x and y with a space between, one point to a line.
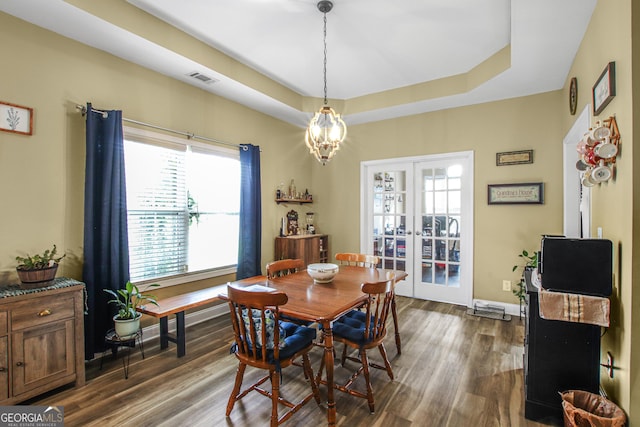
325 59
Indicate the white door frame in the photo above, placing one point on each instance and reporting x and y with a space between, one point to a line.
466 245
571 180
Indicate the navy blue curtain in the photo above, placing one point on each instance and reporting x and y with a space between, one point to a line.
106 244
250 213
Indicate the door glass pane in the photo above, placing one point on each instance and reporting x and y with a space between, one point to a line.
455 198
440 179
378 205
377 246
440 200
427 272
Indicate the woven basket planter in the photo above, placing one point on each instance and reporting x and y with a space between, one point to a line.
37 276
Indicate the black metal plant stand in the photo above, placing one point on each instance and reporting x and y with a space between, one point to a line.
114 342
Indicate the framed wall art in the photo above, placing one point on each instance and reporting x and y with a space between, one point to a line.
514 157
605 88
16 118
513 194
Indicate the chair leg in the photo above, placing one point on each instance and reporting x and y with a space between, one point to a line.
236 387
275 394
395 325
365 371
387 365
344 354
308 372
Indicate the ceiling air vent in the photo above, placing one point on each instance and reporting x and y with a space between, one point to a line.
202 77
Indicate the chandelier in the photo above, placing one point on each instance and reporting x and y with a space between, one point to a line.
326 129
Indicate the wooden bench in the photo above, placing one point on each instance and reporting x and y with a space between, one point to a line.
177 305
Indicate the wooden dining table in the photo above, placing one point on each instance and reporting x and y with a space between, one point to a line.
323 303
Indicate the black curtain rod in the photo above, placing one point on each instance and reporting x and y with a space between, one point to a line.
189 135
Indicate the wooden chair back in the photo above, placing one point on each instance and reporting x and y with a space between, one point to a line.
377 308
360 260
243 302
283 267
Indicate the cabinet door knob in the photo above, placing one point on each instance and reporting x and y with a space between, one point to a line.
2 369
45 312
19 364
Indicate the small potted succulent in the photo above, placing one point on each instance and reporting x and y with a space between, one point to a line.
127 300
39 268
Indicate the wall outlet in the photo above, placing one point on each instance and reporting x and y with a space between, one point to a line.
506 285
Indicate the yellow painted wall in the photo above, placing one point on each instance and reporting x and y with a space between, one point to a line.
500 232
42 176
608 38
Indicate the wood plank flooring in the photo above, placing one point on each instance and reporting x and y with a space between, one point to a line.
455 370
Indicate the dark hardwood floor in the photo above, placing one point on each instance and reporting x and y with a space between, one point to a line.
455 370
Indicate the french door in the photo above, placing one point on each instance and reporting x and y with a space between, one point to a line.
418 217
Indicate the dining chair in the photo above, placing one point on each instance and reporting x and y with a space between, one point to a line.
371 261
283 267
263 341
359 260
364 330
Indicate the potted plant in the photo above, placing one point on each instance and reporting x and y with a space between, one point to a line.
127 320
38 268
530 262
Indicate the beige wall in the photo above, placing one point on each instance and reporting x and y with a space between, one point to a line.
608 38
501 232
42 176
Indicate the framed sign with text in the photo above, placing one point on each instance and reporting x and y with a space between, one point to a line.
513 194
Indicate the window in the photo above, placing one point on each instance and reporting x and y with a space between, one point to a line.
183 202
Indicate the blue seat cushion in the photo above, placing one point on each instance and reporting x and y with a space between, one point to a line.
296 338
351 327
293 338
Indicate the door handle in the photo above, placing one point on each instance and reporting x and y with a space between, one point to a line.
406 233
418 233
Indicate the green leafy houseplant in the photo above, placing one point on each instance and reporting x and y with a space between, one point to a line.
39 261
39 267
129 299
530 261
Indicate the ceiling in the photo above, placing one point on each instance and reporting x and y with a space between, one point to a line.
384 59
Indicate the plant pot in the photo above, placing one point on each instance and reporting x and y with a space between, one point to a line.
127 328
36 278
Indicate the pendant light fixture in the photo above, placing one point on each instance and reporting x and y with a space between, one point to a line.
326 129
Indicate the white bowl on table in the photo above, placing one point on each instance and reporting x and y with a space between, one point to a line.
322 272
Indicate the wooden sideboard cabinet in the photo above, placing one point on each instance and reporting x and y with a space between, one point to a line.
310 248
41 340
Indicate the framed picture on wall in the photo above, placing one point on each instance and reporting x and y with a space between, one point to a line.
516 194
605 88
16 118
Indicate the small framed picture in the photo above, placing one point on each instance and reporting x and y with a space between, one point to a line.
16 118
605 88
514 194
514 157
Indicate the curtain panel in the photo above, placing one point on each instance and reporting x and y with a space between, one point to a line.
106 246
249 252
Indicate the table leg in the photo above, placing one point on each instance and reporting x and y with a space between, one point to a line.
180 334
328 361
164 332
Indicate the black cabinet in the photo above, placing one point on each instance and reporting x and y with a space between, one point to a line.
558 356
